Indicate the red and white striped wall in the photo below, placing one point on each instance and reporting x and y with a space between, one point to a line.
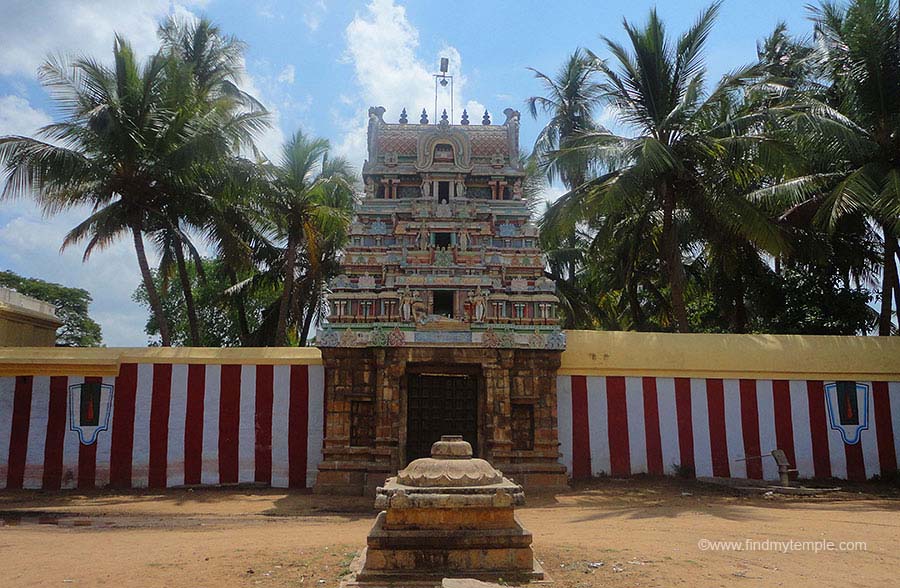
170 425
618 426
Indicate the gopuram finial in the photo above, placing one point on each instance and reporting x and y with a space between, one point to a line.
465 118
403 119
486 119
423 120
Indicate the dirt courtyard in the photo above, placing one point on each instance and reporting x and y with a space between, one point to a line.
606 533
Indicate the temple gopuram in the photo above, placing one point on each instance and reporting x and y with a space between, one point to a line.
442 322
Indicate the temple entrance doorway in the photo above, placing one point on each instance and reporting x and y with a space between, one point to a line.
439 403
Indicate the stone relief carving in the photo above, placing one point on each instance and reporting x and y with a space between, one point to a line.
458 140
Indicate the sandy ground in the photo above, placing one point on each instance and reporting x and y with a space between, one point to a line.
607 533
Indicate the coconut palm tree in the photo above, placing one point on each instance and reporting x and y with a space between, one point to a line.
211 65
856 124
657 90
114 148
301 208
236 230
571 97
127 148
338 198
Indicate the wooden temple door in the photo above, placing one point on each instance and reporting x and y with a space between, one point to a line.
440 404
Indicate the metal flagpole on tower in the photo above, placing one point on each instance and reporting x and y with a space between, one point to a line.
442 79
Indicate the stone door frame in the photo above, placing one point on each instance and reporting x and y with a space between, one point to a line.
472 370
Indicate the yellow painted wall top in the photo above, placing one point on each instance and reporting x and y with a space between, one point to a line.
621 353
105 361
587 353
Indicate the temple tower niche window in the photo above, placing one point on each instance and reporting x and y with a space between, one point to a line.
443 192
443 303
443 240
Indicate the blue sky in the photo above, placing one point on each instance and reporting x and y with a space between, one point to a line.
319 65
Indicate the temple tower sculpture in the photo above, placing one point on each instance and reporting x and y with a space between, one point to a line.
442 321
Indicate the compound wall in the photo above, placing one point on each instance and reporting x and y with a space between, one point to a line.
628 403
166 418
634 403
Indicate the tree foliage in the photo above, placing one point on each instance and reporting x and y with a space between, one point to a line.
217 312
72 307
762 202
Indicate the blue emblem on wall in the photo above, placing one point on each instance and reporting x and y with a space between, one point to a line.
90 410
848 409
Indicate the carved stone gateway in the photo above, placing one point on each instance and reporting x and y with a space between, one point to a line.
447 515
442 316
367 409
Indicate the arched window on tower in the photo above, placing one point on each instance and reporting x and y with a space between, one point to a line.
443 153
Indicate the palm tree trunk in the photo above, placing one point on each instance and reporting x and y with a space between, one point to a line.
150 287
243 326
889 276
193 323
634 304
896 280
289 263
310 313
672 261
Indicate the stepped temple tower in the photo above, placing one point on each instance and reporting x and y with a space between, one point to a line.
442 322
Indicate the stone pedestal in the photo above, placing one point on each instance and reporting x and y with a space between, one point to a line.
447 516
366 412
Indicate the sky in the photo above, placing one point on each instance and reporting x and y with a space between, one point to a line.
318 65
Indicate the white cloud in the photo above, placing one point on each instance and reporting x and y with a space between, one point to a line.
33 30
552 192
313 15
266 10
609 116
286 76
475 111
17 117
382 47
